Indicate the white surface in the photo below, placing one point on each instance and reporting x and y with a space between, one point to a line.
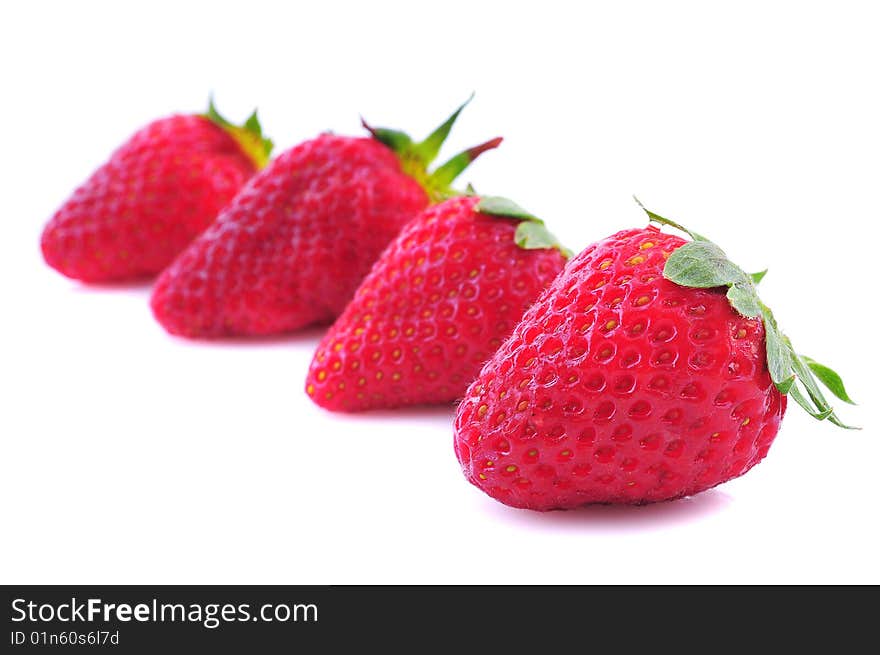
129 456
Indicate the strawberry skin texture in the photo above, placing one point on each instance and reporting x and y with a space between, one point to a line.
435 306
619 386
291 248
157 192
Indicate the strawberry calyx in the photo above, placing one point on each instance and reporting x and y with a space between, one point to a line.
701 264
531 233
416 157
249 135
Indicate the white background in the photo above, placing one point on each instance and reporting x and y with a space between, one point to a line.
129 456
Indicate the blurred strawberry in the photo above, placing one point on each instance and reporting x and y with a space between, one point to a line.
157 192
292 247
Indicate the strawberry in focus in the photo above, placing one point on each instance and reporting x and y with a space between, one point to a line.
157 192
648 371
292 247
435 306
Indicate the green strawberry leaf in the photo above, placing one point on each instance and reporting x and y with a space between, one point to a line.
498 206
249 135
743 297
531 233
829 378
428 149
445 175
809 381
665 221
703 265
398 141
416 157
778 356
786 385
798 397
832 418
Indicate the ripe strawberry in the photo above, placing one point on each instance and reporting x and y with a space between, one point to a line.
292 247
437 303
649 370
157 192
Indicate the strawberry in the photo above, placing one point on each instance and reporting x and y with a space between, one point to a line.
157 192
437 303
649 370
292 247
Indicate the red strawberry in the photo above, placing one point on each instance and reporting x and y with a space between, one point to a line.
645 372
162 188
292 247
436 304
